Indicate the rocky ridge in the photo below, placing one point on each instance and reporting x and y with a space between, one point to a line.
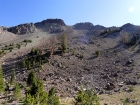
23 29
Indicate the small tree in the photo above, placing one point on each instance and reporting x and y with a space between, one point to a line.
97 53
125 37
86 97
52 99
31 78
64 43
29 65
12 77
37 91
1 80
16 93
23 63
52 45
29 100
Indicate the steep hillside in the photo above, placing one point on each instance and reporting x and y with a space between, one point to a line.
95 57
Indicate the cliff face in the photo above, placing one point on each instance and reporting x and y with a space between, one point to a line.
51 25
23 29
130 27
59 22
86 25
2 29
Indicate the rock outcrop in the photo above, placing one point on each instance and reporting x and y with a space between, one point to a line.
86 26
130 27
2 29
99 27
59 22
23 29
51 25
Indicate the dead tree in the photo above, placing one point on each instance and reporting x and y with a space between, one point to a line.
52 45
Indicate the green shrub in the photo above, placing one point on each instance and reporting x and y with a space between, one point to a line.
86 97
31 78
131 88
73 52
1 81
27 41
97 53
12 79
16 93
52 99
64 43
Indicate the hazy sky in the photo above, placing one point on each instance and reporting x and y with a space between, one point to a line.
103 12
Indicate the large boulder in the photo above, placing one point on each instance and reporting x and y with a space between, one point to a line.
23 29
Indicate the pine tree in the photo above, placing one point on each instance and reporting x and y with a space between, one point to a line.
29 65
31 78
37 91
1 80
64 43
52 45
29 100
16 93
12 77
86 97
52 99
23 63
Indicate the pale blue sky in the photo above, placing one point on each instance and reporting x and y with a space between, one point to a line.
103 12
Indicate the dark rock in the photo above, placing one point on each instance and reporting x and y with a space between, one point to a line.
134 83
105 77
45 79
117 90
50 74
23 29
129 62
114 75
101 92
68 80
129 82
110 86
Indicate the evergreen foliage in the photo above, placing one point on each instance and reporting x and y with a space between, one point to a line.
86 97
12 77
2 87
64 43
31 78
16 93
52 99
97 53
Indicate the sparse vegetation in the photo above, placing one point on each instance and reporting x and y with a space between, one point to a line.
97 53
128 39
31 78
12 79
52 45
16 93
2 87
86 97
108 31
27 41
64 43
